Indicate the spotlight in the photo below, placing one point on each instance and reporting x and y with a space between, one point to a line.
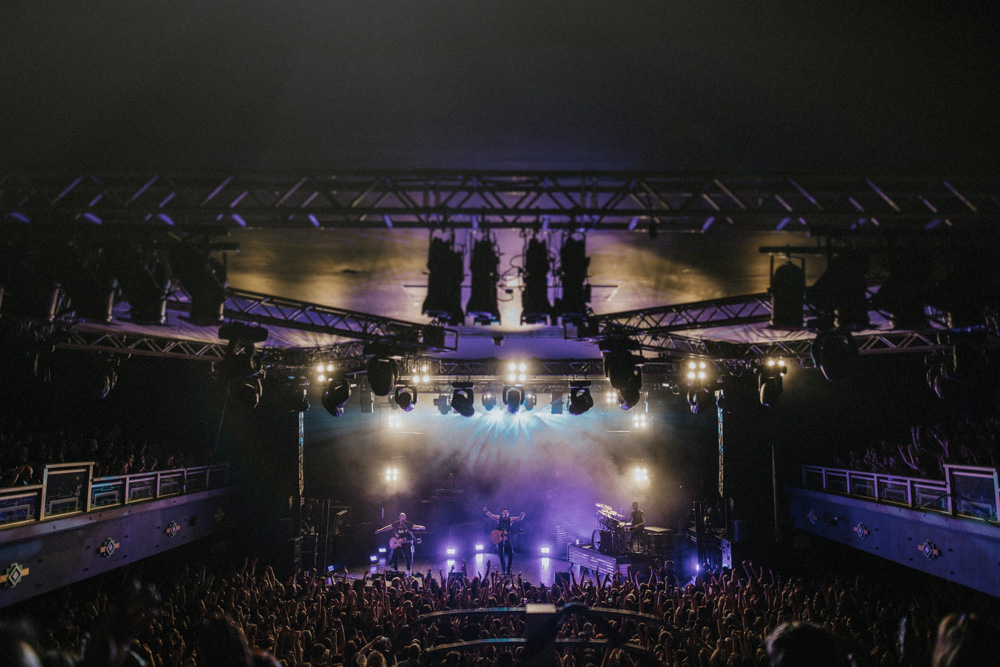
835 353
611 397
373 558
573 263
144 276
698 399
392 474
450 551
479 547
513 397
530 399
381 550
444 282
630 395
639 421
620 368
337 394
640 475
580 399
489 399
405 397
204 278
840 294
382 375
535 306
463 400
769 381
788 288
903 292
482 305
545 550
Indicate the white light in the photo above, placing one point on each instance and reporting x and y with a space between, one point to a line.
610 396
423 368
523 367
322 378
691 375
381 550
329 367
450 562
701 375
373 559
545 563
697 568
450 551
319 369
511 378
545 550
770 362
692 365
512 366
520 378
479 547
479 558
427 379
701 365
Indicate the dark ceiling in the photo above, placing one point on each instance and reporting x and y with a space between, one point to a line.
856 88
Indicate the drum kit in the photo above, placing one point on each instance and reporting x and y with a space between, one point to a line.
613 535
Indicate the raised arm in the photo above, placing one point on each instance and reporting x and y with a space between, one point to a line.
383 529
517 518
490 514
417 526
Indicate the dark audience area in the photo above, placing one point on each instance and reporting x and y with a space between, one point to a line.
754 615
28 445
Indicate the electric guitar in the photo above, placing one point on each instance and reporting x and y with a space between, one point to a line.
395 543
498 536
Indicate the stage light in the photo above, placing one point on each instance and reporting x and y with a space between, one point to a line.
640 475
489 399
463 400
336 395
392 474
145 277
329 367
788 288
530 399
639 421
835 353
620 368
840 294
204 278
383 374
580 399
444 282
322 378
320 368
373 559
482 304
479 547
381 550
405 397
698 399
535 306
630 395
545 550
573 264
513 398
450 551
611 397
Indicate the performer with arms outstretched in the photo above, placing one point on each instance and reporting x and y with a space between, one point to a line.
402 541
501 536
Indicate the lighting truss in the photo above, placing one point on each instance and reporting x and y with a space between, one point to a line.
568 200
271 310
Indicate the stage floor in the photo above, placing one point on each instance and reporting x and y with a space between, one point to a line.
534 569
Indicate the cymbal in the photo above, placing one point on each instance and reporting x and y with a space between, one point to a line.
603 506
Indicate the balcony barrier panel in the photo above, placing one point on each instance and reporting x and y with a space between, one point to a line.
66 489
107 492
20 504
197 479
170 483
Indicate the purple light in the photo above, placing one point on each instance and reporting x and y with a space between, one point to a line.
450 551
545 550
697 568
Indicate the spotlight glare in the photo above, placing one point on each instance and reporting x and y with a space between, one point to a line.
381 550
692 365
373 559
322 378
701 365
427 379
523 367
319 369
545 550
520 378
512 366
423 368
691 375
511 378
450 551
701 375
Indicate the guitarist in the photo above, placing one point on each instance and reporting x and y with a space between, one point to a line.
402 541
501 536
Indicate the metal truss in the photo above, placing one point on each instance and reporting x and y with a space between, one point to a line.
271 310
534 200
113 342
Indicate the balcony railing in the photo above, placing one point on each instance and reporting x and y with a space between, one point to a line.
71 488
967 491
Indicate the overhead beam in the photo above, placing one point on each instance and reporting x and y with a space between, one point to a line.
396 199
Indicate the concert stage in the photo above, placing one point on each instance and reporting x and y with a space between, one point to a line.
585 556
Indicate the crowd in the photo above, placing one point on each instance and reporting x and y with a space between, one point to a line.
751 616
27 446
929 449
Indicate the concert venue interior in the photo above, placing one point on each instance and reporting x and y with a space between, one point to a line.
272 275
